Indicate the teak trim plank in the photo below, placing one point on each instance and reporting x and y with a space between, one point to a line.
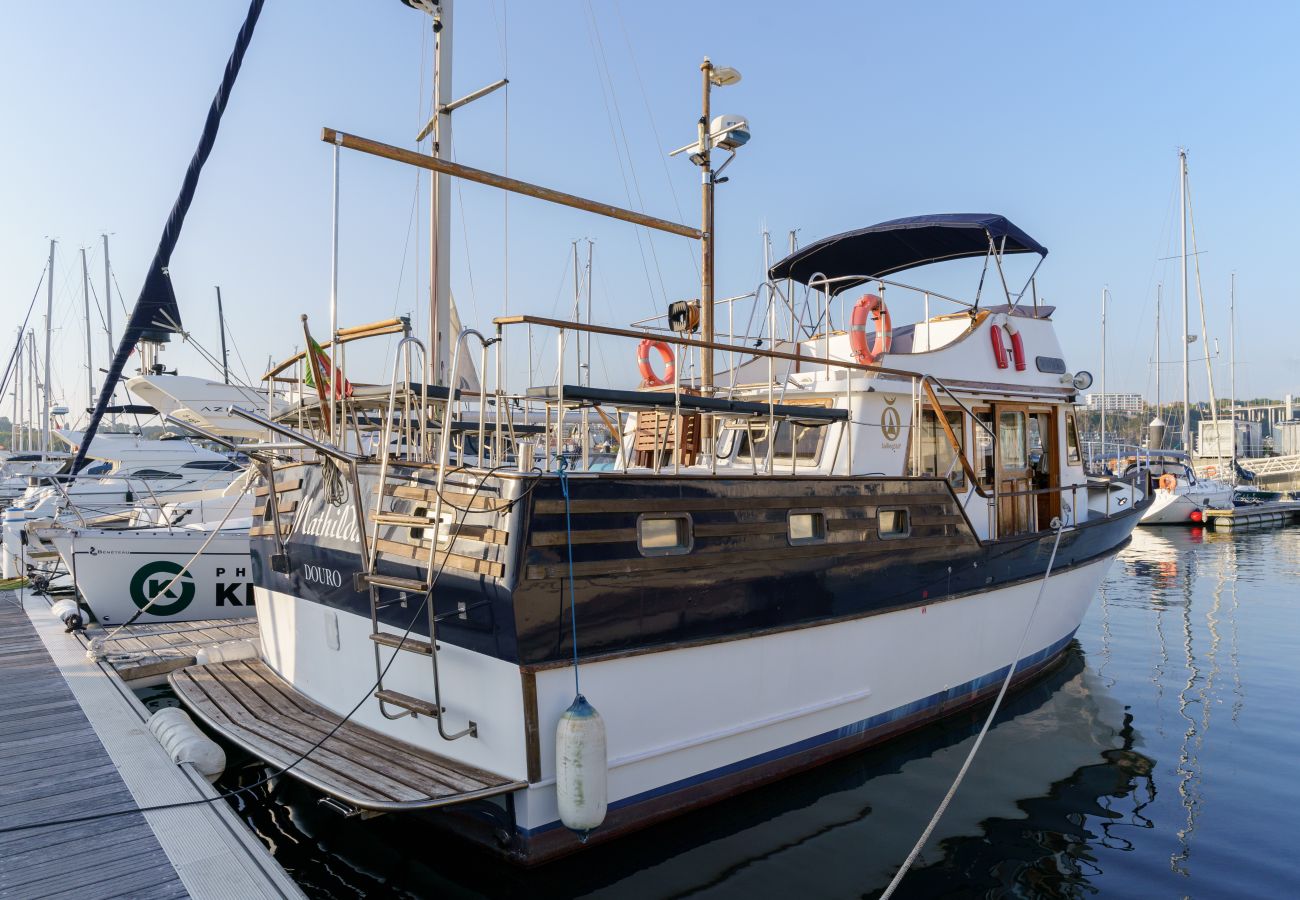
650 505
420 552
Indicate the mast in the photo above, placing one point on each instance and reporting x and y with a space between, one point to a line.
49 319
577 309
221 324
1182 232
1232 367
1159 291
706 238
440 200
108 314
90 359
590 245
31 389
14 441
1103 376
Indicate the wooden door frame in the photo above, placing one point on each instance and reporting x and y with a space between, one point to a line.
1022 510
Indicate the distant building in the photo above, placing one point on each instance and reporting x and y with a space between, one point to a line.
1215 439
1120 403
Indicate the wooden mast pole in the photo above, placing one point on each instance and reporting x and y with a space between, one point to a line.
706 234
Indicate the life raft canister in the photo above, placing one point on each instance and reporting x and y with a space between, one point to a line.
999 348
648 376
873 306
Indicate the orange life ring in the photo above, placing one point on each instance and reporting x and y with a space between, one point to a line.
1211 472
1168 482
873 306
648 376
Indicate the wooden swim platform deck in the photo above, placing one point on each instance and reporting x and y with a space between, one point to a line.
74 744
253 707
1254 515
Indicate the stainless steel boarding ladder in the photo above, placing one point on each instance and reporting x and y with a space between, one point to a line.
411 356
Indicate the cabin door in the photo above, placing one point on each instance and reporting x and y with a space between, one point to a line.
1016 507
1045 460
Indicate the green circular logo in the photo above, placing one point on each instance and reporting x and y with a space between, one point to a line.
149 581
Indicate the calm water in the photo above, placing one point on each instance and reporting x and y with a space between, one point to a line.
1160 761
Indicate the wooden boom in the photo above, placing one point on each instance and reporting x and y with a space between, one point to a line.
456 170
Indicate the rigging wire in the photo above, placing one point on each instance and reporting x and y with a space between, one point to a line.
602 76
654 129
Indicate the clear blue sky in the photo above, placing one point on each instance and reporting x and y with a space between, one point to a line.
1064 117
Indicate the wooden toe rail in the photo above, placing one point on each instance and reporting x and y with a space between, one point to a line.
251 706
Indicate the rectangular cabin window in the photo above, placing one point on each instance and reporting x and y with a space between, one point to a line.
806 527
805 446
937 457
664 535
893 523
1072 441
1012 437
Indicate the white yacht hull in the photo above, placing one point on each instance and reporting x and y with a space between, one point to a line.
118 572
1176 507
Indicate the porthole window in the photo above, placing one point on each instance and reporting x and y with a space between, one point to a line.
806 526
664 535
893 523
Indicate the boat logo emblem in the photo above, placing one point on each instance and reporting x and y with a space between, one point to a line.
149 581
891 424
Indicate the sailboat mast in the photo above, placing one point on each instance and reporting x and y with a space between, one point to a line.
14 440
440 201
1232 366
31 389
90 359
1103 376
590 245
1182 231
1159 291
225 356
108 313
577 308
49 320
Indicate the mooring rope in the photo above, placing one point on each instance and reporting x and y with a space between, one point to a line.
979 739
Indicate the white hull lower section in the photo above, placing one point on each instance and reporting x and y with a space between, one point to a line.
678 719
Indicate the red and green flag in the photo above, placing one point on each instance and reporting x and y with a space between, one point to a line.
321 359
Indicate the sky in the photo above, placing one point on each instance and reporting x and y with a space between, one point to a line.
1064 117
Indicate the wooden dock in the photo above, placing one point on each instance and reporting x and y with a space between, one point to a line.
1255 515
74 744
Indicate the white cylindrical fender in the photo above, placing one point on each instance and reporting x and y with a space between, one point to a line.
68 612
581 767
227 651
184 743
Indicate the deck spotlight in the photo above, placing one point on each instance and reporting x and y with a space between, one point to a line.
1082 380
